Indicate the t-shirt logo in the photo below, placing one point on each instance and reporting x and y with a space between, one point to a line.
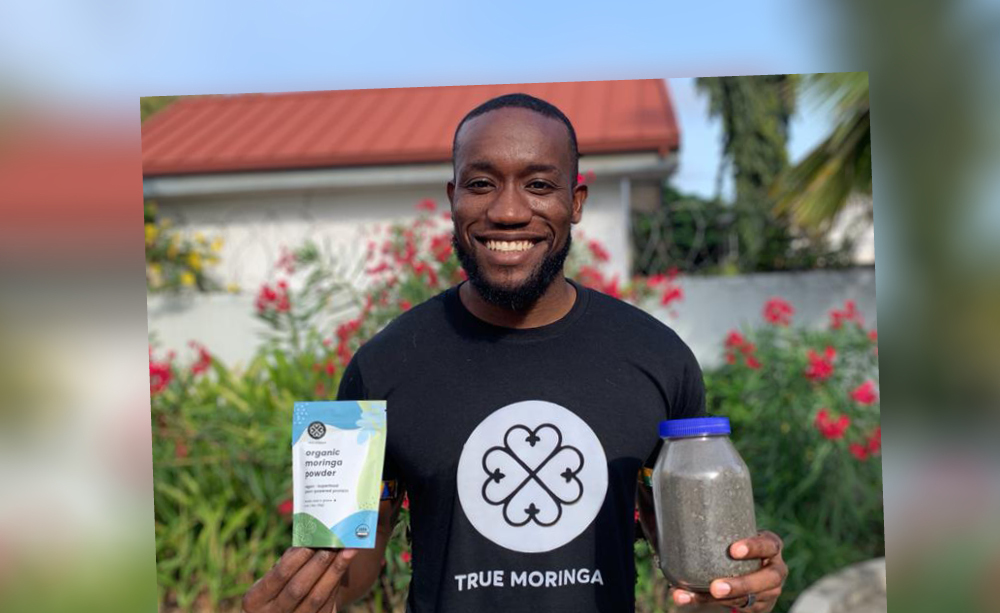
524 475
532 476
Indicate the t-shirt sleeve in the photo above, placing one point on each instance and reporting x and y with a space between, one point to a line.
352 387
688 398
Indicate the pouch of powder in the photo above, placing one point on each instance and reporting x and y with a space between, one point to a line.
337 453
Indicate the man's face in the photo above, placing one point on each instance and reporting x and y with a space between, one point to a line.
513 202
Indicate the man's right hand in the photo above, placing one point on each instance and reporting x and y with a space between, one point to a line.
303 581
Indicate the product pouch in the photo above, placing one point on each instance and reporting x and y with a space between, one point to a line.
337 453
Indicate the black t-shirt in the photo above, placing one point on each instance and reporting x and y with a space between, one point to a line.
519 449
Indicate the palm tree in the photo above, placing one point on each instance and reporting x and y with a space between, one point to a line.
817 189
150 105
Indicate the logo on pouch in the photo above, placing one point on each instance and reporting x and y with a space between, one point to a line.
361 531
317 429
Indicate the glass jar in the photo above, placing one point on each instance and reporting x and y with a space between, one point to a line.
704 503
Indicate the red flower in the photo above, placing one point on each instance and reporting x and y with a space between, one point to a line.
778 312
420 269
591 277
730 357
735 340
320 390
204 359
637 515
405 305
406 557
865 393
160 375
875 441
180 450
271 299
850 313
427 204
441 247
375 270
752 362
598 251
859 451
346 330
286 507
821 366
330 368
671 294
409 254
344 354
873 335
611 288
832 430
406 502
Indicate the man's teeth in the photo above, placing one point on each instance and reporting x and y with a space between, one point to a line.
508 245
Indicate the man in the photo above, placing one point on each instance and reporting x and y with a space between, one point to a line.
521 407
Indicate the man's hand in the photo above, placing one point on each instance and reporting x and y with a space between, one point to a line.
765 584
303 581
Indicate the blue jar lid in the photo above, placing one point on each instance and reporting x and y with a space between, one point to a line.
694 426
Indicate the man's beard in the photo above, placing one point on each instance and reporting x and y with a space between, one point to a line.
519 298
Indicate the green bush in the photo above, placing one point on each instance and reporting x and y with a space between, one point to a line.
805 417
222 437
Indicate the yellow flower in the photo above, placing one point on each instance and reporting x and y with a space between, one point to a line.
151 233
217 245
211 259
155 275
166 223
233 288
198 236
175 246
187 279
194 260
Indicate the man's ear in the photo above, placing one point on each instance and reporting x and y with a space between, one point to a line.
579 198
451 193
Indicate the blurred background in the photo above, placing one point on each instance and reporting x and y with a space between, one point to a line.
76 472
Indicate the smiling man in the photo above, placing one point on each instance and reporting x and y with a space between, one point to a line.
521 407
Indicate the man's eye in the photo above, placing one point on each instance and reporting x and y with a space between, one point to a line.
540 185
478 184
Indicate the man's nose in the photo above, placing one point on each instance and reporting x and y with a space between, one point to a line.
509 208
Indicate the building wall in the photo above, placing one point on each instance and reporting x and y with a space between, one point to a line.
711 307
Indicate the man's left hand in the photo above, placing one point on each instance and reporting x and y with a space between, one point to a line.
765 584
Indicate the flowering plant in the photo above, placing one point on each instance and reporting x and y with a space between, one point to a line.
804 409
175 262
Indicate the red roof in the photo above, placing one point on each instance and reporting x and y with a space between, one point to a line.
385 126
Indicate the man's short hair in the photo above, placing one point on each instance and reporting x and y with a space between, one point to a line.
523 101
